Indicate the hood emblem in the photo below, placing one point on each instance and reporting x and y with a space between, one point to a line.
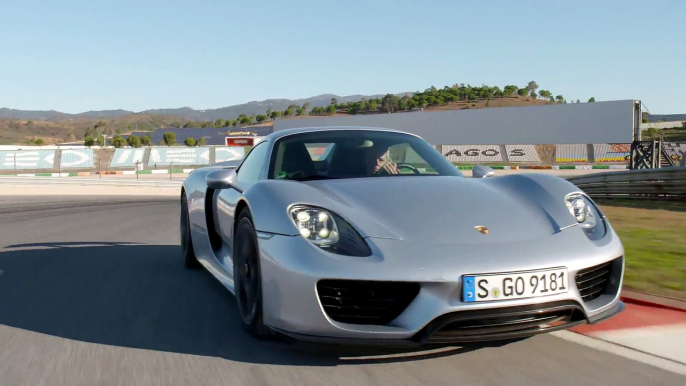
481 229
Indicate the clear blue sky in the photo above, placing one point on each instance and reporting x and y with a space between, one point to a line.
78 55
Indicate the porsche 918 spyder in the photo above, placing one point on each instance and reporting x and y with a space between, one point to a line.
371 236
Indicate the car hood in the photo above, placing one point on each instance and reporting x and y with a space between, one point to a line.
447 210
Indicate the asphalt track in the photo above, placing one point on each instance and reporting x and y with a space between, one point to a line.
93 292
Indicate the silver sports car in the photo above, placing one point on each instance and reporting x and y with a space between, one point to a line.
370 236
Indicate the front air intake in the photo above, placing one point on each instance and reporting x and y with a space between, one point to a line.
365 302
592 282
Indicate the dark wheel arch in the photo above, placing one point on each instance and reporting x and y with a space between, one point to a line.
187 252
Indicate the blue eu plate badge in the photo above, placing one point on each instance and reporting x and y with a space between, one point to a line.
468 289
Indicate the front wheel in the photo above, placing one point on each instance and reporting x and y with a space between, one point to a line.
247 278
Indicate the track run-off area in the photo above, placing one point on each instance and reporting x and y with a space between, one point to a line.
93 291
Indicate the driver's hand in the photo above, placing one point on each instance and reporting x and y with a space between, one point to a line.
385 166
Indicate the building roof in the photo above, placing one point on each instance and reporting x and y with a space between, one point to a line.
666 118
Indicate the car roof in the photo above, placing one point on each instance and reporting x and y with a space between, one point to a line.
286 132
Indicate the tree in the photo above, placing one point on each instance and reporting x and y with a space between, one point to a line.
118 141
287 113
334 101
274 115
300 111
330 109
510 90
578 101
559 98
219 122
190 142
146 140
545 94
169 138
592 99
133 141
683 125
89 141
306 106
39 141
261 118
523 91
405 102
652 132
101 141
201 141
390 102
532 87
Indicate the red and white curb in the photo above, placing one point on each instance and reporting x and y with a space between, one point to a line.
653 334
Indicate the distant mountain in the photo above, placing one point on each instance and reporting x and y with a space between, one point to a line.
260 107
254 107
29 114
105 113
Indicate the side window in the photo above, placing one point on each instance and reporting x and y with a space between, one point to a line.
249 171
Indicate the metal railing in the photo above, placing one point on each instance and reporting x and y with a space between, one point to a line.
656 184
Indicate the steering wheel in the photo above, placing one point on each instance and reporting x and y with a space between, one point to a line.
408 166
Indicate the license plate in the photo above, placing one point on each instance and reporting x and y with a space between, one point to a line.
515 285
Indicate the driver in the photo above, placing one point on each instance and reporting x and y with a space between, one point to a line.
378 161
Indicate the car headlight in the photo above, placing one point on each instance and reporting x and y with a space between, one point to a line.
328 231
587 215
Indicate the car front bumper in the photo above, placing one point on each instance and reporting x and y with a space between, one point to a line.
291 267
423 338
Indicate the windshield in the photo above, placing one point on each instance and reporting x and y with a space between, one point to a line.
334 154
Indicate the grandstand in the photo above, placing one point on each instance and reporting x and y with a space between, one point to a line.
571 153
611 152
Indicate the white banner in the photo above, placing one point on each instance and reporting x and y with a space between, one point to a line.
81 158
472 153
223 154
27 159
127 157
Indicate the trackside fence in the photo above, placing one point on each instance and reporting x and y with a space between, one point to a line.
656 184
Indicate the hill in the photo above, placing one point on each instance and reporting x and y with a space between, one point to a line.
254 107
20 126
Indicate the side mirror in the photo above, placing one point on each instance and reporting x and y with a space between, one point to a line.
482 171
221 178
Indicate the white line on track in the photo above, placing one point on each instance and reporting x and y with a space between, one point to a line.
622 351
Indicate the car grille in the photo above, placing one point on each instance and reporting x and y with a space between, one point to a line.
365 302
501 323
592 282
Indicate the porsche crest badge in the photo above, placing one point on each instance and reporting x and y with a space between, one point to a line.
481 229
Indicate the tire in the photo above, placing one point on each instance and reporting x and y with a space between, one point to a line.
247 276
189 258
